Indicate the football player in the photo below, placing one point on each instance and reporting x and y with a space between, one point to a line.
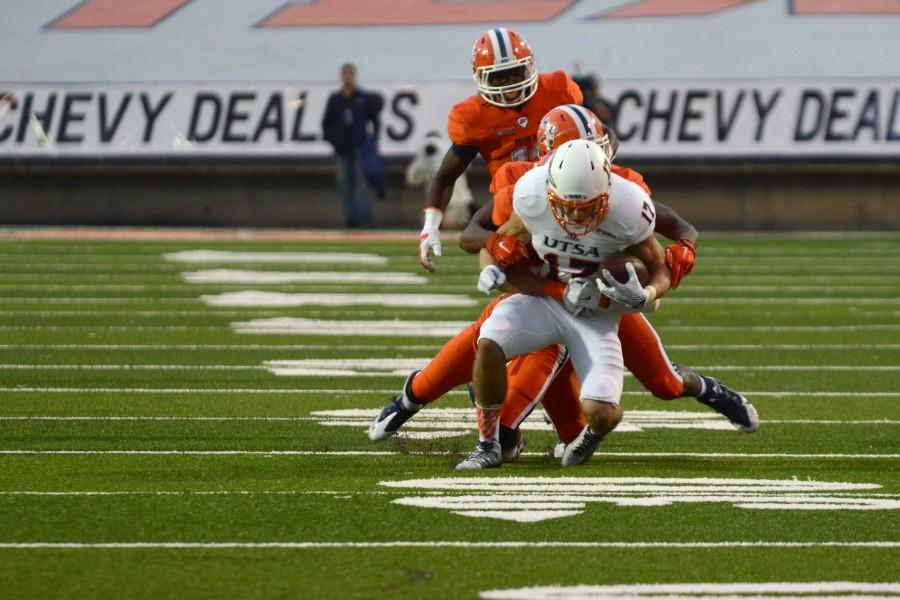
546 376
499 122
569 198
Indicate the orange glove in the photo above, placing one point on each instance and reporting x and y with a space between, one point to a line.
680 258
506 250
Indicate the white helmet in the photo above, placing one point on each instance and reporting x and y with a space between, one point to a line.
578 186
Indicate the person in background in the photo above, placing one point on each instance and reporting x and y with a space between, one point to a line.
351 125
424 167
594 100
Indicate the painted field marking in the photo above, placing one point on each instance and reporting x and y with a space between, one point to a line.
205 347
436 423
410 347
535 499
331 392
429 544
296 325
199 493
229 314
398 328
340 453
692 591
224 256
698 284
383 367
634 415
849 301
281 299
106 300
251 277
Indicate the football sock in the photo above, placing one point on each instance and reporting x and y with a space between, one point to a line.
488 424
703 387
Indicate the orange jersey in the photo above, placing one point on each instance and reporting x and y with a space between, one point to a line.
509 134
504 183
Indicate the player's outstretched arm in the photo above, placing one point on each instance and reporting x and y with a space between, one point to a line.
682 253
436 200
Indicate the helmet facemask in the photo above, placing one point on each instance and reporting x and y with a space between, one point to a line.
523 89
579 217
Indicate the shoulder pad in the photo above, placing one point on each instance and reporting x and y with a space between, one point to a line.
530 195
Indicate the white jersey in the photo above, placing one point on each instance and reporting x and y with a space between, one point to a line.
630 220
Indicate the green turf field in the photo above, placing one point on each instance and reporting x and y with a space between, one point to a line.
160 437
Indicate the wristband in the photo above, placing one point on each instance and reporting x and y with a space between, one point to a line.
651 294
433 218
555 289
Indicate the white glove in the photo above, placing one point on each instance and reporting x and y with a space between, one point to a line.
430 238
630 294
582 293
490 278
648 308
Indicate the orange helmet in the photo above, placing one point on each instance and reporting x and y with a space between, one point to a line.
578 180
571 122
503 68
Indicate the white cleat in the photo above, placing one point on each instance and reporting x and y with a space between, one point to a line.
581 448
486 456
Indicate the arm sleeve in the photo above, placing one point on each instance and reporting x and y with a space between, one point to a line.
466 152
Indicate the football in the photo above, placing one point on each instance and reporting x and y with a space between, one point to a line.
615 264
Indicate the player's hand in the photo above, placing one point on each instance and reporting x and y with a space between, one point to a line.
680 258
629 294
582 293
505 249
490 278
430 238
648 308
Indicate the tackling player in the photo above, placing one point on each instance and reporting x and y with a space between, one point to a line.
546 376
500 122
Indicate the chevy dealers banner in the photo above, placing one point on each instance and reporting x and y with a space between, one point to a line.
802 119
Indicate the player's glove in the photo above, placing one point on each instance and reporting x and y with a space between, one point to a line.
430 238
506 249
490 278
680 258
629 294
582 293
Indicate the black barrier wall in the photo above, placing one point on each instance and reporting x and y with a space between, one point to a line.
727 197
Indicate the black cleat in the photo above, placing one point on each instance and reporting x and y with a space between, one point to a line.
394 415
734 406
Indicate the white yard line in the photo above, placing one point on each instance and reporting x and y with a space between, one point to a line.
429 328
319 419
230 276
225 256
382 367
205 347
270 299
375 411
325 392
434 544
435 345
512 495
737 455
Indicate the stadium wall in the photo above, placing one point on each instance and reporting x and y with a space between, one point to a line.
714 197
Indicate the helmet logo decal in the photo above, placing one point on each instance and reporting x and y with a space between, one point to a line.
522 121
